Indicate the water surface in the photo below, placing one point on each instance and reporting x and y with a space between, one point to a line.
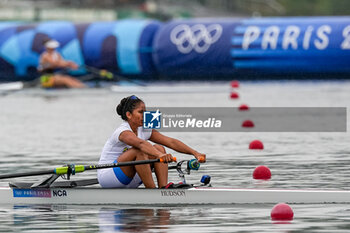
42 129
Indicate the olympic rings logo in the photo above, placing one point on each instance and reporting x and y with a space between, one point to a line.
197 38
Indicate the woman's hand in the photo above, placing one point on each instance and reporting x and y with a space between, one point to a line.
167 158
72 65
200 157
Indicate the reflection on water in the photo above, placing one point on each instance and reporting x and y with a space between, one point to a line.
83 218
213 218
133 220
49 218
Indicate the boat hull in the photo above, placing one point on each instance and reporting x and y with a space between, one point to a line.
190 196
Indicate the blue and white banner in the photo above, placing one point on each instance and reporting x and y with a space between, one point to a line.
186 49
123 47
289 45
194 48
224 48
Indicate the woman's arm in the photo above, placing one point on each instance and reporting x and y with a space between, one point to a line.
66 64
57 62
131 139
176 145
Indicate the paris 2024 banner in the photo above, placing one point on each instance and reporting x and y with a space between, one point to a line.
258 47
207 48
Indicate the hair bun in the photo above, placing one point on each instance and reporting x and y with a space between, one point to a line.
120 107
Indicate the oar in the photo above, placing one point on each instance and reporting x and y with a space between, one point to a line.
109 75
73 169
101 73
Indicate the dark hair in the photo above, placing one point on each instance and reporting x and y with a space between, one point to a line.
127 104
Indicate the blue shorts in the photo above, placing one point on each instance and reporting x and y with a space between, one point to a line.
115 178
124 179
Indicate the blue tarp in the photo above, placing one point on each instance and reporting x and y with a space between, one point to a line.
123 47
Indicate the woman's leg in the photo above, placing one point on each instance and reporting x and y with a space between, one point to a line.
75 83
144 171
58 81
67 81
161 169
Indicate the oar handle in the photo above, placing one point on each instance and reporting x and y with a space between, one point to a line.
201 159
163 161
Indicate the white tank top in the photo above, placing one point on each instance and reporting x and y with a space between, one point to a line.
55 56
114 147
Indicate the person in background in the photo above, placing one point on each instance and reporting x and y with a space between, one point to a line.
54 68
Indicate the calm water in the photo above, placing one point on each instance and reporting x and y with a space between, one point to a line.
44 129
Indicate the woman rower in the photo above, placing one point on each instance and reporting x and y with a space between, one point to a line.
129 142
52 67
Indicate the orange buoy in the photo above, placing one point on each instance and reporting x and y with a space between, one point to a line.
256 145
262 173
234 95
248 124
282 212
243 107
235 84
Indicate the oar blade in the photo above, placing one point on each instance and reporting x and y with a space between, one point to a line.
24 174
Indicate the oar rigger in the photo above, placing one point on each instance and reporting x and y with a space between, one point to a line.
70 170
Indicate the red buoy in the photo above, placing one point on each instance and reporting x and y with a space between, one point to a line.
235 84
262 173
282 212
234 95
256 145
243 107
248 124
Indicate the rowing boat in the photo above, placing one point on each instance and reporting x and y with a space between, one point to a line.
11 86
88 191
190 196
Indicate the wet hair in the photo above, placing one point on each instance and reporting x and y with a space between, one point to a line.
127 104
